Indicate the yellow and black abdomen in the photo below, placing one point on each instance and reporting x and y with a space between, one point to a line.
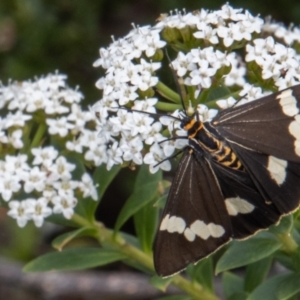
204 138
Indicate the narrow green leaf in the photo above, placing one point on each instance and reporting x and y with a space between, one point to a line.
256 273
274 288
221 92
232 284
61 220
145 223
131 239
241 253
202 272
103 177
73 259
160 283
61 241
144 176
146 188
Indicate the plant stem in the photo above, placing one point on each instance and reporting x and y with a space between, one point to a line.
289 244
168 93
106 236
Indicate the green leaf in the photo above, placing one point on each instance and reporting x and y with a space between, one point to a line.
73 259
176 297
61 241
239 296
221 92
144 176
285 225
202 272
289 286
279 287
232 284
160 283
241 253
145 223
131 239
146 189
291 260
256 273
61 220
103 177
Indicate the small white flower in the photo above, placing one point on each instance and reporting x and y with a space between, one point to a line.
87 187
155 159
65 187
97 155
44 156
16 139
16 164
114 156
35 179
61 169
132 150
16 119
18 211
225 103
206 114
38 210
59 126
9 184
64 205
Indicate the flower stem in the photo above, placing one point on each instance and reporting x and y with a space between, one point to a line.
167 93
40 133
107 237
289 244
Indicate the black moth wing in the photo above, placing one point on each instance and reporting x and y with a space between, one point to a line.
207 191
269 125
277 180
194 201
246 207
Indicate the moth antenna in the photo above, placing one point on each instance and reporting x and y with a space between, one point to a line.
150 114
174 138
167 158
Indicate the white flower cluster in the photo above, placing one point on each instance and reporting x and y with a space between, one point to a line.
132 67
276 61
226 25
39 184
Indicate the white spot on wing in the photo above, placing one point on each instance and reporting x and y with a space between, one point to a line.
277 169
237 205
189 234
288 103
200 229
176 224
294 129
215 230
164 223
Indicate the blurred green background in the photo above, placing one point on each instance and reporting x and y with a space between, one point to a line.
41 36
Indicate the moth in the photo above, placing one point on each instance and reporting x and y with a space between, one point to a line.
240 173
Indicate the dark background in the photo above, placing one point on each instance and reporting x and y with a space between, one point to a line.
40 36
